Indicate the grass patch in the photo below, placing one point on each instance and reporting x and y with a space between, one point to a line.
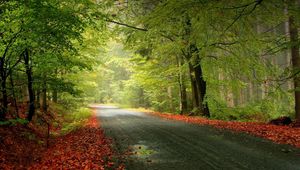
75 120
14 122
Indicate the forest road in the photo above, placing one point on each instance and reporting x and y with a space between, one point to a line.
165 144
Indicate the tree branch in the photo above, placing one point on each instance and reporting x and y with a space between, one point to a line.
126 25
243 13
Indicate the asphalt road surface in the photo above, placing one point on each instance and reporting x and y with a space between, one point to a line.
165 144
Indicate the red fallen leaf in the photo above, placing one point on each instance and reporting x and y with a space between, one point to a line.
87 167
86 148
110 164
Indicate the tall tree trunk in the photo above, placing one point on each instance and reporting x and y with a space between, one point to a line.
226 92
288 53
44 92
230 97
250 90
14 94
183 99
170 96
296 62
200 82
4 99
54 92
193 58
141 101
3 89
28 68
264 85
38 99
183 106
195 99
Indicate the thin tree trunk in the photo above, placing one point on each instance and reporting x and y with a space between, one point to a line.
296 62
230 98
4 99
183 106
221 87
54 92
38 99
3 89
28 68
251 90
183 99
44 92
14 94
226 92
170 96
195 99
288 52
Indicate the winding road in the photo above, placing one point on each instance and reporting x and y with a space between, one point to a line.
173 145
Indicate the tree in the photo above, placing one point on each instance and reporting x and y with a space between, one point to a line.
239 38
294 41
47 36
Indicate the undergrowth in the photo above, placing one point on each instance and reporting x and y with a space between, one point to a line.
75 119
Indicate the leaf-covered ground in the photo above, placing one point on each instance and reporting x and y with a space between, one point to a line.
85 148
278 134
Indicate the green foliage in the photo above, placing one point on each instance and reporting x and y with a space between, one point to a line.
242 53
75 119
74 60
14 122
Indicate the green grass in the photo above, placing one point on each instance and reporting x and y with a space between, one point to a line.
75 120
13 122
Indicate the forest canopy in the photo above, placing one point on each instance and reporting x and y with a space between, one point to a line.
226 60
233 60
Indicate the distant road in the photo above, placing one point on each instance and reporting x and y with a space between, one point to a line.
172 145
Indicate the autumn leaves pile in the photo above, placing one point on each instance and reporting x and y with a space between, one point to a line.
85 148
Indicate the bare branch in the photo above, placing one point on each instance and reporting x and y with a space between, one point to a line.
126 25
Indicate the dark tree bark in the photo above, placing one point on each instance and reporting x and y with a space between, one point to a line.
38 99
44 92
28 68
54 91
4 98
3 88
4 73
183 99
200 82
296 62
196 73
195 100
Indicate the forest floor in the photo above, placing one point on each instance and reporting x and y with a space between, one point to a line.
181 142
85 148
